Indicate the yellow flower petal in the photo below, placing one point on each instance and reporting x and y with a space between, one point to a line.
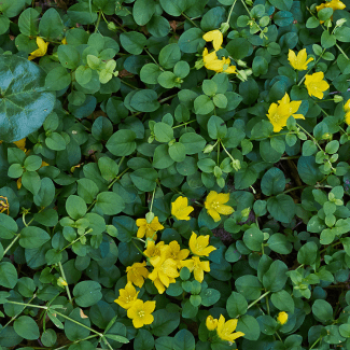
216 37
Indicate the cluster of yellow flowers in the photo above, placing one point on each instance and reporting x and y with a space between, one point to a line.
166 260
279 112
211 60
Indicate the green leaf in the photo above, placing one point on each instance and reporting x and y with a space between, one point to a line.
87 293
122 143
249 326
28 22
145 101
253 239
281 207
23 107
163 132
184 340
51 26
164 322
143 11
57 79
33 237
284 5
26 328
322 310
144 179
76 207
8 275
133 42
328 40
109 203
169 56
273 182
275 277
236 305
144 340
280 244
249 286
203 105
283 301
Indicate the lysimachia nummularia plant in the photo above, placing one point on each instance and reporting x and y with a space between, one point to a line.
175 174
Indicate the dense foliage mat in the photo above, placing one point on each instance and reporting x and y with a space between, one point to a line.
174 174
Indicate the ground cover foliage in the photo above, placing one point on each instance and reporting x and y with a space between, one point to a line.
174 174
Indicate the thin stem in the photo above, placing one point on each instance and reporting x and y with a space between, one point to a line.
127 84
247 9
98 21
230 13
27 305
136 246
315 343
11 244
117 178
293 189
65 279
184 124
167 98
257 300
342 51
311 137
77 341
153 59
190 20
154 191
218 154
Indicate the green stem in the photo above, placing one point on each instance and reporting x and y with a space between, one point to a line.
190 20
230 13
98 21
294 189
153 59
127 84
27 305
77 341
65 279
250 15
311 137
11 244
154 191
218 154
167 98
117 178
315 343
342 51
257 300
184 124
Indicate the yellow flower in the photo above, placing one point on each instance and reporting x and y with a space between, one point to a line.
278 114
64 41
216 37
180 209
316 85
300 61
282 318
199 246
174 252
198 267
215 205
225 329
4 205
347 110
164 273
148 229
43 163
211 323
141 313
137 273
40 51
127 296
212 62
334 4
155 252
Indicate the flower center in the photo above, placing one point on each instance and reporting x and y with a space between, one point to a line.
141 313
215 205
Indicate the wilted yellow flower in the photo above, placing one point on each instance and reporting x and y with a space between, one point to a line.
148 229
197 266
225 329
282 318
180 209
216 37
316 85
215 205
174 252
334 4
21 144
141 313
300 61
164 273
4 205
200 246
136 273
127 296
155 252
43 163
211 323
40 51
278 114
212 62
19 183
